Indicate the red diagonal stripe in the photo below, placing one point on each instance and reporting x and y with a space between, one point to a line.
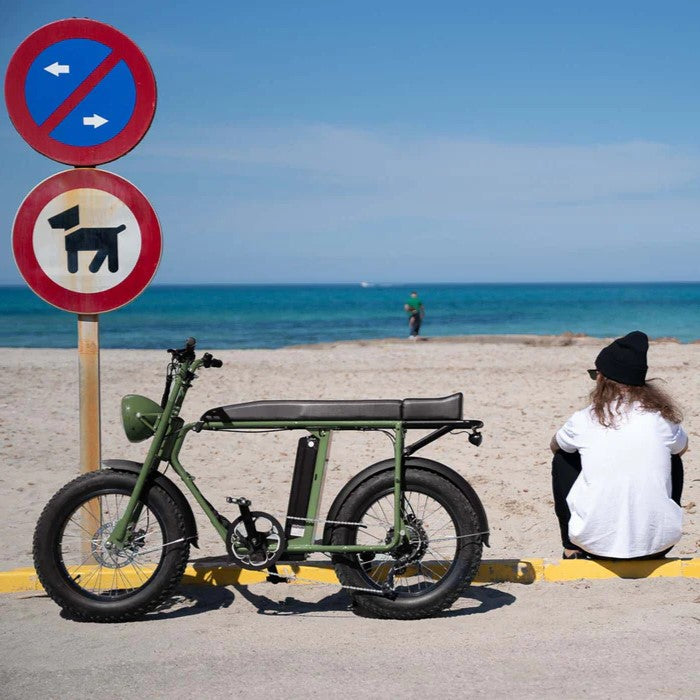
80 93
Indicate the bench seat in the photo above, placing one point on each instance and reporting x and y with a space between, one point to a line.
445 408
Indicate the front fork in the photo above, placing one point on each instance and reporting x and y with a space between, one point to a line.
124 527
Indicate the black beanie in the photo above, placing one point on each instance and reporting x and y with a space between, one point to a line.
625 359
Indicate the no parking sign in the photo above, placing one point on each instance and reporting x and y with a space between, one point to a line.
80 92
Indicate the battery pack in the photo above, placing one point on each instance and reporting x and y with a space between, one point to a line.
299 496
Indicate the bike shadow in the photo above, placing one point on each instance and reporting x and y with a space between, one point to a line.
199 599
476 600
186 601
192 600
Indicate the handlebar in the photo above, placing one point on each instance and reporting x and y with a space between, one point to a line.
186 354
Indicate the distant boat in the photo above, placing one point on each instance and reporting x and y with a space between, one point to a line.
366 284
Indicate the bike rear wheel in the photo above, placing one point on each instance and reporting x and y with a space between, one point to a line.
93 580
436 559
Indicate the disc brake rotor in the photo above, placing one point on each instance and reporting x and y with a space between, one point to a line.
115 557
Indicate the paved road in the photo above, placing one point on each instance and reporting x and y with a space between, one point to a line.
598 639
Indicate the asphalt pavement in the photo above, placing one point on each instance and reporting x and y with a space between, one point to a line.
597 639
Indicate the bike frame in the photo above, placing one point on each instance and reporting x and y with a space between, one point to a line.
170 433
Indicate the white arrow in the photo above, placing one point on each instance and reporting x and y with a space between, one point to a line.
95 120
56 69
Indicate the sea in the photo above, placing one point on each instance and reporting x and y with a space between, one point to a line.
274 316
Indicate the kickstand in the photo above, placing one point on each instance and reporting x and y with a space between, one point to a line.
274 577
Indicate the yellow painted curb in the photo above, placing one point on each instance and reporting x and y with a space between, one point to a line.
515 570
570 570
19 580
691 568
491 571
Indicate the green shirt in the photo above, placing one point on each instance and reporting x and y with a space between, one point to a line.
414 305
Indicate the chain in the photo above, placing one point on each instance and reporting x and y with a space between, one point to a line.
322 520
346 522
293 577
458 537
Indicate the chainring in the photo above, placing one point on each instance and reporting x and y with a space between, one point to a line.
260 549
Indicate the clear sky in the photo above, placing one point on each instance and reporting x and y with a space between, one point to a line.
404 141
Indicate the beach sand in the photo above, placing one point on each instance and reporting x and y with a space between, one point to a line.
523 388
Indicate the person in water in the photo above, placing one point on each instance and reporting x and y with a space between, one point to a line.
617 474
414 308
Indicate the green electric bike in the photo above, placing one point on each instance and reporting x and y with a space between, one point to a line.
405 534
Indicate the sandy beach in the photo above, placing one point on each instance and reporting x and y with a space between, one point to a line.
523 388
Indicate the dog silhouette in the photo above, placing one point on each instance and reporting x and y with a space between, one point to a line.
102 240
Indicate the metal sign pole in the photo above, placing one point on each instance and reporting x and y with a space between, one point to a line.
89 406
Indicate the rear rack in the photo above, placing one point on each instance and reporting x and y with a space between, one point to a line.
442 428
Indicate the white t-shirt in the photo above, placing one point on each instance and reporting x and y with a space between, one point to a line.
621 502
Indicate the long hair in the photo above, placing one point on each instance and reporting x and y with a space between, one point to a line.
609 397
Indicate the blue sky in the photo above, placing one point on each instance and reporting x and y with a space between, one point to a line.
405 142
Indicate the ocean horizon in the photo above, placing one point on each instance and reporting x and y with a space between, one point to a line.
279 315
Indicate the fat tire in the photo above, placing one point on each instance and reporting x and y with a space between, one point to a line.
465 563
53 576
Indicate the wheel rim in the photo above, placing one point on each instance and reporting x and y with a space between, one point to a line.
97 570
427 552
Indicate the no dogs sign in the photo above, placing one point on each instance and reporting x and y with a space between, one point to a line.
86 241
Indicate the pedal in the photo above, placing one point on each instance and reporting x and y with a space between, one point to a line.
238 500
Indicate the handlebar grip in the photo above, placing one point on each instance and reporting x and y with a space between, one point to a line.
209 361
186 353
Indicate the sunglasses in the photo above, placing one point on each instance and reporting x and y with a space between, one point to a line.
592 373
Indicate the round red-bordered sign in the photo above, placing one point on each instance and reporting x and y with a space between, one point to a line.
80 92
86 241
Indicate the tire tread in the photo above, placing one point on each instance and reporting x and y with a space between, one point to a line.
52 582
377 605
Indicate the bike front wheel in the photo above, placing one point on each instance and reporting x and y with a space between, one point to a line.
438 553
86 575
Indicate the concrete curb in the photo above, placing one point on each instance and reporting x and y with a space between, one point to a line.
218 573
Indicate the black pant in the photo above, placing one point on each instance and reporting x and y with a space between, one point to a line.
566 467
414 324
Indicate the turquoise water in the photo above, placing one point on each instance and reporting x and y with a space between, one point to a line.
270 316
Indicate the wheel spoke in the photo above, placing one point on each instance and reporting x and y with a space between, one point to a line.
379 503
116 572
430 530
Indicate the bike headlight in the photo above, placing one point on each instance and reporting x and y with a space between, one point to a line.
139 417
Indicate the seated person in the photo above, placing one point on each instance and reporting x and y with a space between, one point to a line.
617 475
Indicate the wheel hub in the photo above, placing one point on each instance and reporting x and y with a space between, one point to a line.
412 547
107 555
